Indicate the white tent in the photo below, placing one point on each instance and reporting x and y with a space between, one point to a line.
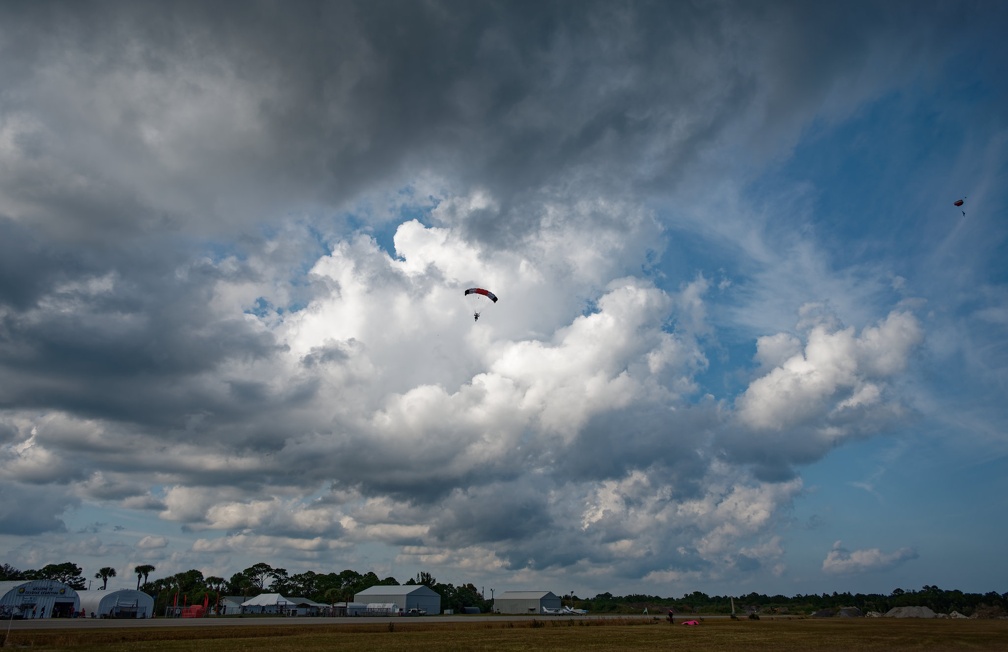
124 603
268 603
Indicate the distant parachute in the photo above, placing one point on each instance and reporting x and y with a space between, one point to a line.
478 298
958 203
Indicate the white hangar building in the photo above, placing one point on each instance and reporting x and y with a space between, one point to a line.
525 602
38 599
124 603
406 597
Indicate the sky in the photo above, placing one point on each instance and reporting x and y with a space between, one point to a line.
744 340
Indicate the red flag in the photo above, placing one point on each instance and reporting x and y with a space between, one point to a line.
175 604
206 600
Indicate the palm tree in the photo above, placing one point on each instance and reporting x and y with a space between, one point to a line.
104 574
143 570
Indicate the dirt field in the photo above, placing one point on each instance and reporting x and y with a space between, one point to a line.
565 633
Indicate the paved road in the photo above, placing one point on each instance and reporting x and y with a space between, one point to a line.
100 623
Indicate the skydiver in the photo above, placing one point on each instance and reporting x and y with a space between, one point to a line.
475 316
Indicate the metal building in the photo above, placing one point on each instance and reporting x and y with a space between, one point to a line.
409 598
124 603
525 602
38 599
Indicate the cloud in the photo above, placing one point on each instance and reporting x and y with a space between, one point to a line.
840 561
840 385
231 276
152 543
835 364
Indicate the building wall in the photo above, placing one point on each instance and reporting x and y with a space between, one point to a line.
415 597
429 603
40 599
526 603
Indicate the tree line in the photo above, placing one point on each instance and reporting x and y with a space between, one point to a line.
193 587
984 605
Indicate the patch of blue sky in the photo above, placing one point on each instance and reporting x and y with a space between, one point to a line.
871 493
263 308
126 526
218 251
380 216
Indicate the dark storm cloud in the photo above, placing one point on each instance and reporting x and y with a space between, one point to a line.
45 506
29 266
119 350
513 96
614 443
518 513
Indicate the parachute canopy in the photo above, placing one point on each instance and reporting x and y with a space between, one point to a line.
478 298
958 202
487 293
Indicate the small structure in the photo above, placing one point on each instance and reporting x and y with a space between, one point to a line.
38 599
124 603
193 611
306 607
381 609
229 605
526 602
350 609
406 597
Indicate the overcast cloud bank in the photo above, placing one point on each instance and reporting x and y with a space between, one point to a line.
234 242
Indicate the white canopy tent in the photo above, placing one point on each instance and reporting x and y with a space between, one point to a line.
268 603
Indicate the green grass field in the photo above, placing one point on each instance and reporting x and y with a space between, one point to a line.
554 634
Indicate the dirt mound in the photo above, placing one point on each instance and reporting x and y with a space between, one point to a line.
910 612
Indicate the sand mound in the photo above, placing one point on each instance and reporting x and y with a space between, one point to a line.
910 612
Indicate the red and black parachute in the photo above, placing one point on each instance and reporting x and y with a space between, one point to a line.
958 203
487 293
479 297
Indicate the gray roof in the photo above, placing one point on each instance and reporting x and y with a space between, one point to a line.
525 595
402 589
305 602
